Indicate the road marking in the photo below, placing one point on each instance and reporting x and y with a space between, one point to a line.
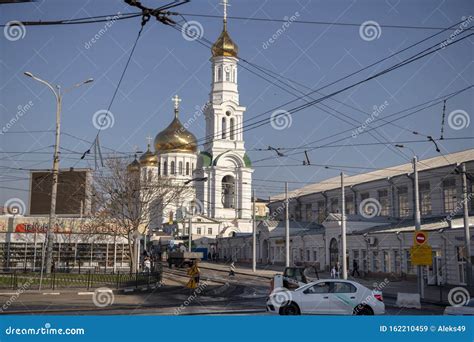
8 293
85 293
52 293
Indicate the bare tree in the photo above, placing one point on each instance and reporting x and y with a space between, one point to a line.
129 199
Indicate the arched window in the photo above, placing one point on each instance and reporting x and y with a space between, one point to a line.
227 74
219 74
165 168
192 167
180 170
187 168
224 128
233 76
232 129
159 168
173 170
228 192
150 175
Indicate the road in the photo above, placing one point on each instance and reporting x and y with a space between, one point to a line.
217 294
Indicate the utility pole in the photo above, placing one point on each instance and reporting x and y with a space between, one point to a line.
343 229
190 235
421 288
52 213
254 236
287 228
467 237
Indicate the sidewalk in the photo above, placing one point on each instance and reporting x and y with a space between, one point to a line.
433 294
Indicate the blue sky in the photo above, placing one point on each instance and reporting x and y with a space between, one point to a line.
165 63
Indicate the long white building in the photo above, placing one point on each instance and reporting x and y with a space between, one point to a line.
380 221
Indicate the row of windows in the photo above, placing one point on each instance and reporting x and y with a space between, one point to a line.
229 73
187 170
403 202
200 231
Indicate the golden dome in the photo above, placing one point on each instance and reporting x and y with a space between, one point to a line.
134 166
175 138
148 158
224 46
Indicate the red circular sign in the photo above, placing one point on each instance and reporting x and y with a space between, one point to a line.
420 238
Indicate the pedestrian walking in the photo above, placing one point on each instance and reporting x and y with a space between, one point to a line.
232 269
355 268
338 270
333 272
147 265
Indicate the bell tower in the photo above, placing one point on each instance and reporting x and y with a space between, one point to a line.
226 194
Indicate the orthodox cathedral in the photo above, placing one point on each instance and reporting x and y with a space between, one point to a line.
220 175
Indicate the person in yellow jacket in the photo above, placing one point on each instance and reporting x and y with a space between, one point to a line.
194 273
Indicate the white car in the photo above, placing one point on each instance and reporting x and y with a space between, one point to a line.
327 297
463 310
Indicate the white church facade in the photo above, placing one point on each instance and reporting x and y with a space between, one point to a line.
219 175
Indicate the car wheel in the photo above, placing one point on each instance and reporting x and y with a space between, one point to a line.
290 310
363 310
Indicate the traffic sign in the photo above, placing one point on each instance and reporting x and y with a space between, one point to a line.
421 255
420 238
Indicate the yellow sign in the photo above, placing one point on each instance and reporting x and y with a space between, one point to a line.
421 255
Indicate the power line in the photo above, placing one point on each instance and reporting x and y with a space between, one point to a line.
310 22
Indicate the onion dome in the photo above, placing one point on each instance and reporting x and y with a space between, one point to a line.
134 166
148 158
175 137
224 45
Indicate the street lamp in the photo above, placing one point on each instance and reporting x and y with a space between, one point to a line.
421 289
52 214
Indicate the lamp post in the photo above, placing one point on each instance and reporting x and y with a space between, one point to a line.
52 213
421 288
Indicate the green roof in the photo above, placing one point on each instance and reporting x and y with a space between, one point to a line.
206 159
247 161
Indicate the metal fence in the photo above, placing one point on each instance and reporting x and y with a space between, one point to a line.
86 280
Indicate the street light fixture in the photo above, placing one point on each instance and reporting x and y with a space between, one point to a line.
52 214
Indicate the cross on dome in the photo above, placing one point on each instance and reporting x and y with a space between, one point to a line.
224 3
176 101
150 139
